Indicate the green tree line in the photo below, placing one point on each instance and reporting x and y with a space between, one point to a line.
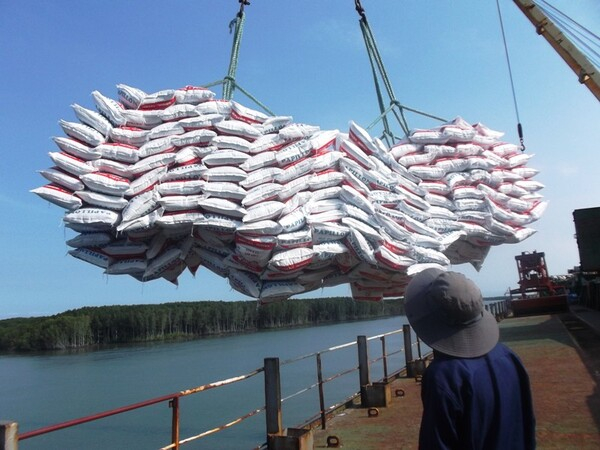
102 325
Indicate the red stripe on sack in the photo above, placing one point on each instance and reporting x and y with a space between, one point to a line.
356 160
149 188
237 116
394 248
409 228
182 211
324 149
73 157
372 276
56 187
247 264
377 187
296 245
239 239
157 105
325 172
118 144
295 266
195 160
111 176
123 127
394 265
411 203
360 144
193 88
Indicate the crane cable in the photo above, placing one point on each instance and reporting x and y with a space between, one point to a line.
586 41
512 84
377 65
237 25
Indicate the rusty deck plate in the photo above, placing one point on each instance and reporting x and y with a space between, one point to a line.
562 356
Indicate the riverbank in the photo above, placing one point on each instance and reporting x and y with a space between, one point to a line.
88 327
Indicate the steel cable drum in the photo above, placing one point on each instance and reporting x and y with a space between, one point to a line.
277 207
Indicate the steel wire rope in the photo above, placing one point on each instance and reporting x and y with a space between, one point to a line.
229 82
567 29
330 349
379 336
374 51
221 383
512 83
314 385
216 429
339 374
213 385
384 111
574 30
566 17
377 63
237 25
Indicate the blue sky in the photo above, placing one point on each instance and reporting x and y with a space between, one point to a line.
301 58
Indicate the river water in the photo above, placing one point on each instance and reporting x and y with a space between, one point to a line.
45 389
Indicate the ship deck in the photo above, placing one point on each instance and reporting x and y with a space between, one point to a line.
562 355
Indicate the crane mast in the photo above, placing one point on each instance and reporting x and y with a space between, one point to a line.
586 72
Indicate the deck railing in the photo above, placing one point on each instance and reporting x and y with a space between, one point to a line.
9 436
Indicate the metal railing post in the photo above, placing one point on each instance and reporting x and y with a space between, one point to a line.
363 360
321 394
174 404
363 368
273 396
384 355
9 435
408 356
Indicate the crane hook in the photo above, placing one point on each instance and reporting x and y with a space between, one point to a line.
242 4
520 131
359 9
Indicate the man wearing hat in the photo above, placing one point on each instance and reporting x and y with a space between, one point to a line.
476 392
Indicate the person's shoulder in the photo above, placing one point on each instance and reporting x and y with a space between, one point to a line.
447 364
502 350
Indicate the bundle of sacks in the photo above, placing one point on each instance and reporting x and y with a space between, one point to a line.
155 184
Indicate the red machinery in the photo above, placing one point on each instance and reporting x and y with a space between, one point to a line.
537 294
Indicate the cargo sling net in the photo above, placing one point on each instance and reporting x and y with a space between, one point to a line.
155 184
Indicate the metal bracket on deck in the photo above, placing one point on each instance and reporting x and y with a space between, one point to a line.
372 412
333 442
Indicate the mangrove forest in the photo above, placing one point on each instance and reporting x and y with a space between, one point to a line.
96 326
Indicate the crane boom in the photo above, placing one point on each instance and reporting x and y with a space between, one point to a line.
587 73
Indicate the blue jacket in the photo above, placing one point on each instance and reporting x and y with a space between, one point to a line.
477 403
